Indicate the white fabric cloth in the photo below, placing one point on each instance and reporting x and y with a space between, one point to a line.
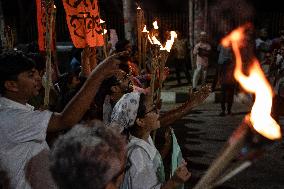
201 63
125 110
201 60
22 144
200 69
107 110
146 165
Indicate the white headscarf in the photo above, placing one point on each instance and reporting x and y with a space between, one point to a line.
125 110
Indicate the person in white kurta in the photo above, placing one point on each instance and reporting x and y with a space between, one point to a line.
136 113
23 150
201 51
22 138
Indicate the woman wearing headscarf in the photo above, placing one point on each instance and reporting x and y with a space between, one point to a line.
136 115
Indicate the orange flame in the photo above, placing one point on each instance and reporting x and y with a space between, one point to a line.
255 83
149 38
105 31
145 29
155 24
153 39
170 42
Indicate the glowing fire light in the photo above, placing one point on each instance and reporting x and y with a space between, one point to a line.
105 31
155 24
102 21
153 39
255 83
138 7
170 42
145 29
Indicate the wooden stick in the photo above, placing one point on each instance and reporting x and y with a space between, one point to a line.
233 172
233 147
55 60
49 24
161 72
139 35
144 49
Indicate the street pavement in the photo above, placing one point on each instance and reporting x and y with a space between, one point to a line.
202 134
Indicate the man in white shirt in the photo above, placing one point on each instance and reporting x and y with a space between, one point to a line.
201 51
23 149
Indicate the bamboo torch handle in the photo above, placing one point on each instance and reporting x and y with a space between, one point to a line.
233 147
49 25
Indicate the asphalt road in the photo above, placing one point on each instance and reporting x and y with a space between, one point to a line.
202 134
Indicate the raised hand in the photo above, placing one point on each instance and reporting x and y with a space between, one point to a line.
110 65
181 175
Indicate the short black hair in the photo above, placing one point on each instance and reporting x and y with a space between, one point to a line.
76 52
142 108
39 61
96 111
121 44
12 63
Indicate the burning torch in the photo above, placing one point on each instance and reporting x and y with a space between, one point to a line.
258 128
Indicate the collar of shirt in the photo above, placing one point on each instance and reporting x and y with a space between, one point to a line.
149 146
7 103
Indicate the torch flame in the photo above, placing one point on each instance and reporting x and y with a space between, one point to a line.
145 29
170 42
255 83
153 39
155 24
149 38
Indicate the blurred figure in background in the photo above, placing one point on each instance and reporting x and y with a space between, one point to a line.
201 51
181 65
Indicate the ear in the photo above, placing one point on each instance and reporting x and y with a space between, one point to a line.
115 89
140 122
11 86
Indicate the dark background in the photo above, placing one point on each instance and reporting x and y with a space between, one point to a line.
21 15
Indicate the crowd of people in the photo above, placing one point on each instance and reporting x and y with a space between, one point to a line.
269 53
96 131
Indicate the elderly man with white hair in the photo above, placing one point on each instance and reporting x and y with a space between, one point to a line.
201 51
89 156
